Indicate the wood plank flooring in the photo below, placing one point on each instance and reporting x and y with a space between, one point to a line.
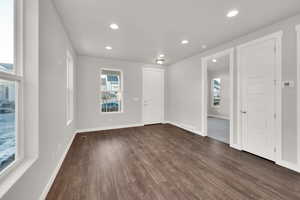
163 162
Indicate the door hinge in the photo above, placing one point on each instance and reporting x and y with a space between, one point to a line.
275 149
275 115
275 82
275 48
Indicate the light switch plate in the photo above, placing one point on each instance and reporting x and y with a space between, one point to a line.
286 84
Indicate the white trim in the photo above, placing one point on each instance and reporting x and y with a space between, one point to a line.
11 173
204 62
238 103
212 93
122 90
56 170
218 116
27 40
163 93
108 128
10 76
185 127
288 165
298 94
276 35
16 172
278 42
236 146
69 88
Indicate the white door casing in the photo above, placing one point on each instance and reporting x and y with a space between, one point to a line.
204 62
298 95
153 96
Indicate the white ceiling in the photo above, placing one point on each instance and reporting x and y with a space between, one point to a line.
221 66
151 27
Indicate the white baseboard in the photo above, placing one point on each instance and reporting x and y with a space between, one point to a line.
56 170
289 165
282 163
235 146
107 128
185 127
219 116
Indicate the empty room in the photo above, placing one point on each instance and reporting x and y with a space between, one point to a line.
149 100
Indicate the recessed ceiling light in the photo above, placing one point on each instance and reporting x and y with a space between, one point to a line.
204 46
214 60
114 26
161 55
160 61
232 13
108 47
184 42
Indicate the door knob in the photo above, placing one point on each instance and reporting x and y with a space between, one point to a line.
243 112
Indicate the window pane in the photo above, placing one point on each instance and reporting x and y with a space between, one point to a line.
216 91
111 94
7 123
6 35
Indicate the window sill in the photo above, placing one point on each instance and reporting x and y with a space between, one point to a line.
14 174
108 113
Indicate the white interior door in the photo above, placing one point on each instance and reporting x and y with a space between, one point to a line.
153 96
258 64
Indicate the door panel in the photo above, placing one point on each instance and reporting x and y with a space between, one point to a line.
258 64
153 95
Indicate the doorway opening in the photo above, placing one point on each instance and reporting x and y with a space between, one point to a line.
218 101
217 93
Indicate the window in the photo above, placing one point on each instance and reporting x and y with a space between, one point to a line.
216 92
70 88
10 89
111 91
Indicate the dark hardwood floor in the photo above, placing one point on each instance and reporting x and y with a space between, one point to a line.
163 162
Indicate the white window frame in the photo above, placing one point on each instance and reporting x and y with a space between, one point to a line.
16 75
69 88
26 68
122 91
212 93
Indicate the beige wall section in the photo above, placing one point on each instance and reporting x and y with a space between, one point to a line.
54 135
184 86
88 98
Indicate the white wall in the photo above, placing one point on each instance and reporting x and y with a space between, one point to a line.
184 86
88 98
54 135
224 109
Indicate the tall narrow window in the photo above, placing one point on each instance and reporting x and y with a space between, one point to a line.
10 88
111 91
216 92
70 88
